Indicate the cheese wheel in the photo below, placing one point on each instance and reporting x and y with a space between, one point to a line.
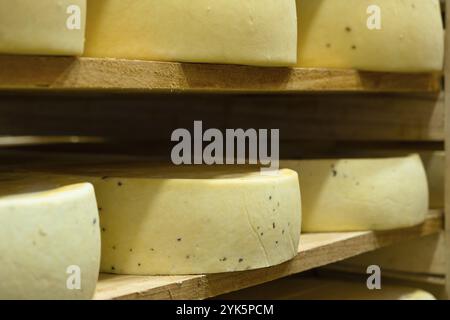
44 27
158 220
253 32
361 194
178 223
312 288
335 34
49 241
433 161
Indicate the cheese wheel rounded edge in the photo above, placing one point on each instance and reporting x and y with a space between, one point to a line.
50 244
335 34
194 226
252 32
362 194
30 27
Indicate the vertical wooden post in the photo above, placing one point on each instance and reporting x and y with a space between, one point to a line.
447 145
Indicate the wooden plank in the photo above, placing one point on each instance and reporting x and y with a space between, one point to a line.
435 284
333 117
447 142
68 73
349 271
14 141
428 258
315 250
330 285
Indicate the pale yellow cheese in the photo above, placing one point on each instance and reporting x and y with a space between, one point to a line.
361 194
434 164
49 240
198 224
181 220
254 32
334 34
44 27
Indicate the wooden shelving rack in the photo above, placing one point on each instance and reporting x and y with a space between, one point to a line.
88 97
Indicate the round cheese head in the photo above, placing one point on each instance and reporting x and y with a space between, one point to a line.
159 220
167 222
49 241
362 194
382 35
253 32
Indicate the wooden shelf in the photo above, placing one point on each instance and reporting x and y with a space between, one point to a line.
349 272
315 250
314 117
68 73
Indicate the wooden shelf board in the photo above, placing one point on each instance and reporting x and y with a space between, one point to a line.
344 271
308 117
69 73
315 250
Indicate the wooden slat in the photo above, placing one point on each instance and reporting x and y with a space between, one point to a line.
345 271
435 284
447 141
20 141
65 73
315 250
428 258
333 117
326 285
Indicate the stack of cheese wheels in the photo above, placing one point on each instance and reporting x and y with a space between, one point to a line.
180 220
253 32
345 34
362 194
44 27
49 240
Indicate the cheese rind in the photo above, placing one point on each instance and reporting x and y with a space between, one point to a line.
253 32
40 27
361 194
433 162
191 220
334 34
48 235
198 225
